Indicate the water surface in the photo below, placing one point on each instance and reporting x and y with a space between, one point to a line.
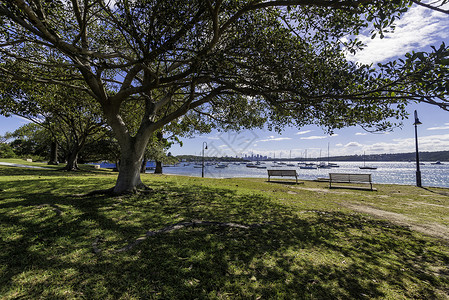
386 172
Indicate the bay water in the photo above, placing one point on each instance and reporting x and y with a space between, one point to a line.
435 175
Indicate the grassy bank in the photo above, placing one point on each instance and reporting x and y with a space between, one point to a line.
234 238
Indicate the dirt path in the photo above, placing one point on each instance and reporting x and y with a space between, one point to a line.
433 229
19 165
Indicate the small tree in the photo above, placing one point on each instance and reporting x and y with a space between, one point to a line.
6 150
67 114
30 140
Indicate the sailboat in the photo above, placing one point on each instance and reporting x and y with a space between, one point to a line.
365 167
290 164
332 165
322 164
310 166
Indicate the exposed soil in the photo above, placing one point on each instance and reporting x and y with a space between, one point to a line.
321 190
432 229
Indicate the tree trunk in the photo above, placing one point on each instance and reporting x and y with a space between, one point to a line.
158 169
128 180
72 161
117 166
53 154
143 168
132 150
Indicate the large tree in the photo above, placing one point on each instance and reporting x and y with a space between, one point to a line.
239 64
69 116
30 140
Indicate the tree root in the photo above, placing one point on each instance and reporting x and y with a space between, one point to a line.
109 191
139 189
143 189
95 245
55 208
67 169
171 228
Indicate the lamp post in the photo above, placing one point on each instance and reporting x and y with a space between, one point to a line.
418 171
202 165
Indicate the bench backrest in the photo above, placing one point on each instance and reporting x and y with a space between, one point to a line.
346 177
282 172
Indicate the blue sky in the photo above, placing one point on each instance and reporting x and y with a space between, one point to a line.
417 30
433 136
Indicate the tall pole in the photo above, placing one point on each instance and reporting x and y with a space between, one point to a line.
418 171
202 165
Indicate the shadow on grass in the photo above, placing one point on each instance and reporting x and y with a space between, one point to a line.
439 191
51 172
285 182
293 255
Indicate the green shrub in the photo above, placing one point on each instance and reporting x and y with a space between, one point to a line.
6 151
35 158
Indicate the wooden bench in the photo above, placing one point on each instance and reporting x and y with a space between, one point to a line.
283 173
351 178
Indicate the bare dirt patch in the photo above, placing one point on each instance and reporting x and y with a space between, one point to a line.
432 229
319 190
429 204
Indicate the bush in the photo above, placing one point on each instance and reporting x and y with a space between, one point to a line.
6 151
35 158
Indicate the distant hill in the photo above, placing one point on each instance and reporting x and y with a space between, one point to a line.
423 156
206 158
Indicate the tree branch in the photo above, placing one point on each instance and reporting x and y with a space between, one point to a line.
433 7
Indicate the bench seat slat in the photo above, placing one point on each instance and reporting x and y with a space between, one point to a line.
282 173
350 178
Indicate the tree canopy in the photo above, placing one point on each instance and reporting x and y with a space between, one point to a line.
234 64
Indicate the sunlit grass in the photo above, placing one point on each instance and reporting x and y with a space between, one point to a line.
309 243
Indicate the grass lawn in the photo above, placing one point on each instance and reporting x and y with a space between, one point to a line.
263 240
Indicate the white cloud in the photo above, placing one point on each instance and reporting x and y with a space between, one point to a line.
314 137
23 120
446 126
303 132
361 133
401 145
272 138
205 137
418 28
353 144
